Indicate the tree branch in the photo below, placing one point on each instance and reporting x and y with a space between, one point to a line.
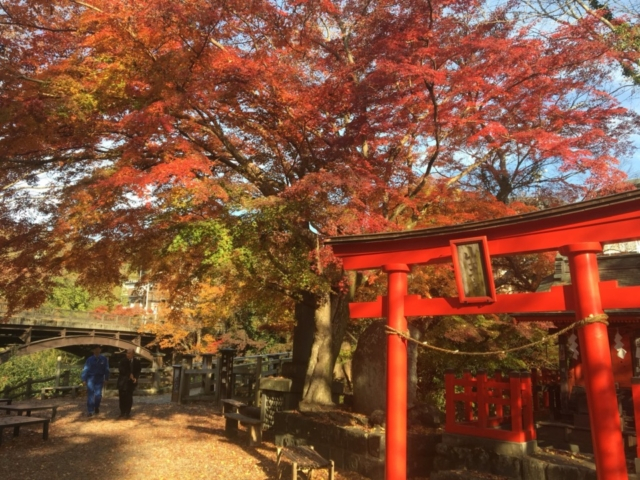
87 5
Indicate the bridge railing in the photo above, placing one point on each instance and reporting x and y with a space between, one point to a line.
56 315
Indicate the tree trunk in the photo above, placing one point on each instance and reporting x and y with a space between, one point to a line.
331 316
321 323
317 385
303 335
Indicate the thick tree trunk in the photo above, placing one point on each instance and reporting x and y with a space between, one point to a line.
321 323
303 335
330 323
317 385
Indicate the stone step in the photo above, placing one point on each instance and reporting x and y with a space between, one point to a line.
464 475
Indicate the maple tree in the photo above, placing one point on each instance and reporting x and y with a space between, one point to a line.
208 142
616 23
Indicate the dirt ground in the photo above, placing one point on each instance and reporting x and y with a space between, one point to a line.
161 441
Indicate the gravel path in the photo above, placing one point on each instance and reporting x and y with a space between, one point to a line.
161 441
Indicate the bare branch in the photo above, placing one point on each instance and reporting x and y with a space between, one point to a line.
87 5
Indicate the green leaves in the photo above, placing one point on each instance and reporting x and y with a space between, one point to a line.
206 143
211 237
38 365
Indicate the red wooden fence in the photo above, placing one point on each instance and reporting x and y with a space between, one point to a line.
499 408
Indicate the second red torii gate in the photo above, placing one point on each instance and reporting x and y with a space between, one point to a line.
577 231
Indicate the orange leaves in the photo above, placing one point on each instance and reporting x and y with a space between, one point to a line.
286 123
212 303
211 344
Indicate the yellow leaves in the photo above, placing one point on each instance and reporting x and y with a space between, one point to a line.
213 303
77 103
169 333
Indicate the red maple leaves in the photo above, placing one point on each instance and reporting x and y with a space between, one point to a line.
280 120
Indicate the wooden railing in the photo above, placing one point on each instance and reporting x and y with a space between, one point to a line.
61 317
26 390
499 408
152 380
194 380
247 372
245 377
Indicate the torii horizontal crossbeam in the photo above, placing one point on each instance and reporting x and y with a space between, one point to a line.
559 299
605 220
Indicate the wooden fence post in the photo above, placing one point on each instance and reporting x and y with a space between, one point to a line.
468 390
218 380
498 393
207 364
188 358
184 384
157 376
227 379
29 388
483 404
516 403
450 404
58 371
257 379
527 407
175 385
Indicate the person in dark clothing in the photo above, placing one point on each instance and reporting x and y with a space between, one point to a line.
129 369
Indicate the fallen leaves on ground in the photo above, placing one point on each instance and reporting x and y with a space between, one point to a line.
161 441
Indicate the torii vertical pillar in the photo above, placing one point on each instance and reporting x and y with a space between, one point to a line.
396 426
606 433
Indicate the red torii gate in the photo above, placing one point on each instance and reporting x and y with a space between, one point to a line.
577 231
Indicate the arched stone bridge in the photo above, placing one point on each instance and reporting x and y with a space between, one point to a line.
37 330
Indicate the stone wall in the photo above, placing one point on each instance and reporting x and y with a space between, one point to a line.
353 448
459 459
433 455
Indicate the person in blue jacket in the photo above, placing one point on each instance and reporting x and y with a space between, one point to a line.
94 374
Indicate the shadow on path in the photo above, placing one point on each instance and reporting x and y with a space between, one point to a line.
160 441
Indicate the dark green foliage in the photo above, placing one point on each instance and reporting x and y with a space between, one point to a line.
479 334
39 365
248 333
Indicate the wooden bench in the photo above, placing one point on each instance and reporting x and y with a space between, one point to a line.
231 405
6 400
302 458
231 411
19 421
27 408
57 390
254 424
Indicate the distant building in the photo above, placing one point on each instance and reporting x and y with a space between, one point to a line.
147 296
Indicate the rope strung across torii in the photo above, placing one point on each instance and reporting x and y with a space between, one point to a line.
601 318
